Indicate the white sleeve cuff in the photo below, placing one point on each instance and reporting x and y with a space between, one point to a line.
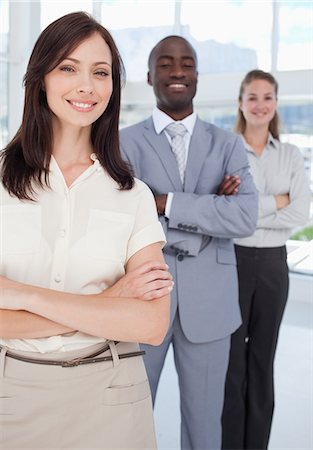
168 204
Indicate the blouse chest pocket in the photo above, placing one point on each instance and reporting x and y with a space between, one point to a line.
108 233
20 229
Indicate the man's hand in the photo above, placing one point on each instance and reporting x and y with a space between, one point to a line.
229 185
160 201
149 281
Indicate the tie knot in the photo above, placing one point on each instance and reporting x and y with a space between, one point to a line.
176 129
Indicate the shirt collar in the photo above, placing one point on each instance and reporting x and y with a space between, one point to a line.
57 174
271 142
161 120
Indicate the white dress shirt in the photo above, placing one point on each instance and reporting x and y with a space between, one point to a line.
161 121
279 169
75 239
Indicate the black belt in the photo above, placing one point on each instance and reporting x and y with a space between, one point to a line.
90 359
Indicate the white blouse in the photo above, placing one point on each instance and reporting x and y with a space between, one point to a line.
278 170
75 239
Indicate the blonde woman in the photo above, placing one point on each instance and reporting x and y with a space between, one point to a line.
284 197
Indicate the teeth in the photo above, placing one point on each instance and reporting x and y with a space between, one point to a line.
177 85
81 105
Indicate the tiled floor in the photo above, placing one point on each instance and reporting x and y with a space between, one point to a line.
293 417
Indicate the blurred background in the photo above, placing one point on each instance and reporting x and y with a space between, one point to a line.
231 37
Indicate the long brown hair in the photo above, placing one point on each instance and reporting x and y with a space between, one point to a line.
26 159
240 125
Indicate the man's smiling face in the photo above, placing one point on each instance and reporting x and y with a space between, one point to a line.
173 75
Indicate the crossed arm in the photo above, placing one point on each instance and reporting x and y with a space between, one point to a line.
136 308
229 186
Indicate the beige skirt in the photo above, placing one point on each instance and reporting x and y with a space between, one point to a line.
103 405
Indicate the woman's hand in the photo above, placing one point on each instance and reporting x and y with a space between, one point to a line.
149 281
282 201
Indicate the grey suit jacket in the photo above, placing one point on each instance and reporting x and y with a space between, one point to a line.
199 249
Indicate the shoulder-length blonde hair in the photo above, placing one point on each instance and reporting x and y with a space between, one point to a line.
240 125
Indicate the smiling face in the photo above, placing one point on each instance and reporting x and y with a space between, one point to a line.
173 75
78 89
258 103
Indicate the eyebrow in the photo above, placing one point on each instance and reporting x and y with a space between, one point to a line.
265 93
76 61
173 57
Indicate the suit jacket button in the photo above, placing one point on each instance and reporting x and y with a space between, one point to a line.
180 257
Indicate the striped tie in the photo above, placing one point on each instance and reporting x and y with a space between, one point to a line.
177 132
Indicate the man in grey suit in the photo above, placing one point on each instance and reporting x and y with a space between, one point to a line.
190 173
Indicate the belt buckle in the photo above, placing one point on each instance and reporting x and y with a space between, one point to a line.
71 363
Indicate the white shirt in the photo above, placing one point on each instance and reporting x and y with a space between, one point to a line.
279 169
161 121
75 239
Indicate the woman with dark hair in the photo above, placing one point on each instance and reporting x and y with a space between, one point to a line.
284 198
82 272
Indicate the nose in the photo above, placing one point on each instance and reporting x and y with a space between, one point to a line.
177 70
260 105
85 90
85 85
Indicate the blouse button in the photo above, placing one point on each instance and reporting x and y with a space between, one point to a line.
62 233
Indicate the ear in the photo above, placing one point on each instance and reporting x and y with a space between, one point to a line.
149 81
240 105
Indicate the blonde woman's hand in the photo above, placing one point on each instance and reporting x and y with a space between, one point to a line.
149 281
282 201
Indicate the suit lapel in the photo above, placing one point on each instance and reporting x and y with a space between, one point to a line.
162 148
199 147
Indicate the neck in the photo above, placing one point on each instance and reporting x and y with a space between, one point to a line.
256 137
177 115
71 145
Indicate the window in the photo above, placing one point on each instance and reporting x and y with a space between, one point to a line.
52 10
4 55
136 27
229 35
295 35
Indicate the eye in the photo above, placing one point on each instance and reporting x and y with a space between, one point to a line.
102 73
67 69
164 63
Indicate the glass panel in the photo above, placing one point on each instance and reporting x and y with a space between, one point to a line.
131 114
136 27
52 10
4 54
295 35
229 35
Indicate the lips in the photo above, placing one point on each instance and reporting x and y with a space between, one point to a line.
260 114
82 105
177 86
